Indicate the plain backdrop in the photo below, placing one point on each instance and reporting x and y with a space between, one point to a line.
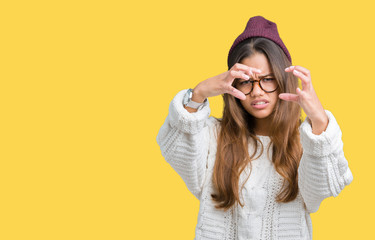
86 86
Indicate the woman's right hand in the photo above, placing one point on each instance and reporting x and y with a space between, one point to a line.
222 83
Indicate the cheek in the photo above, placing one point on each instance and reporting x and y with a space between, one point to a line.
245 103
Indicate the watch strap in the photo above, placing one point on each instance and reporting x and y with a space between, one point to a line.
190 103
193 104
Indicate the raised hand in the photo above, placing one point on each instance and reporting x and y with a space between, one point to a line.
307 99
222 83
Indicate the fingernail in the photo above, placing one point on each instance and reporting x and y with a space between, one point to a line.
246 77
296 72
289 67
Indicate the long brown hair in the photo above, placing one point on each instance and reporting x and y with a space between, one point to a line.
237 128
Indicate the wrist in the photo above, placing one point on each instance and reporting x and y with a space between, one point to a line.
197 95
319 124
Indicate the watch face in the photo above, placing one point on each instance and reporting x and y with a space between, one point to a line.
187 96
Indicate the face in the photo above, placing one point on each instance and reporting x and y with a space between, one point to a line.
259 103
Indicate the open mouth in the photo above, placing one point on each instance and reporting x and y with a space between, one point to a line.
259 104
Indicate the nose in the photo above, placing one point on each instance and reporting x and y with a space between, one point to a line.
257 91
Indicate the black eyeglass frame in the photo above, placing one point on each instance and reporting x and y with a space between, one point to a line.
260 85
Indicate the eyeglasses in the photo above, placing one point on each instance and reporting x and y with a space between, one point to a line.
267 84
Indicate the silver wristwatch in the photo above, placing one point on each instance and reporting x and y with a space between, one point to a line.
189 103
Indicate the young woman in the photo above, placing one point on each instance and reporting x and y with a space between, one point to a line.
258 171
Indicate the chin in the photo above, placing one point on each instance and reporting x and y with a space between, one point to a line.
260 114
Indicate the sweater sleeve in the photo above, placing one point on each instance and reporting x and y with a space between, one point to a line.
184 142
323 170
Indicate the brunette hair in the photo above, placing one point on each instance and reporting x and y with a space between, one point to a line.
237 128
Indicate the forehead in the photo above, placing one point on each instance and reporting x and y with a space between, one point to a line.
259 61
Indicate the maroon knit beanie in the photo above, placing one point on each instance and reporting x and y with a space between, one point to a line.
258 26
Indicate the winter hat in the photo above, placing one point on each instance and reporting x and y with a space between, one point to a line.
258 26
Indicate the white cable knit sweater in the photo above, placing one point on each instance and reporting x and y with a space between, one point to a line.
188 143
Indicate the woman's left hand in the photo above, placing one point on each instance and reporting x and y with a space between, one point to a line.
307 99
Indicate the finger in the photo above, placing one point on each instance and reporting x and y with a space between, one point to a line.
246 69
304 79
237 74
289 69
298 68
300 93
302 70
289 97
237 93
254 72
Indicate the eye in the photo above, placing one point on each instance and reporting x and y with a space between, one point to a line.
245 82
268 79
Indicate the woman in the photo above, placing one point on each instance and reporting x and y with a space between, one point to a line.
258 172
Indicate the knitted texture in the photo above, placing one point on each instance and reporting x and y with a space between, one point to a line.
258 26
188 142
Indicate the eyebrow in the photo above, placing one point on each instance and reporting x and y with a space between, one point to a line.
268 74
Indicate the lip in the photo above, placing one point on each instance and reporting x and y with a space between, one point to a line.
260 106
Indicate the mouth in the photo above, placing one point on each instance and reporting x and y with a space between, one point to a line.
260 104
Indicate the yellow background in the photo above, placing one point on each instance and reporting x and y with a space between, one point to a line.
86 85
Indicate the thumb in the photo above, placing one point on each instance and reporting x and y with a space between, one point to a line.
237 93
